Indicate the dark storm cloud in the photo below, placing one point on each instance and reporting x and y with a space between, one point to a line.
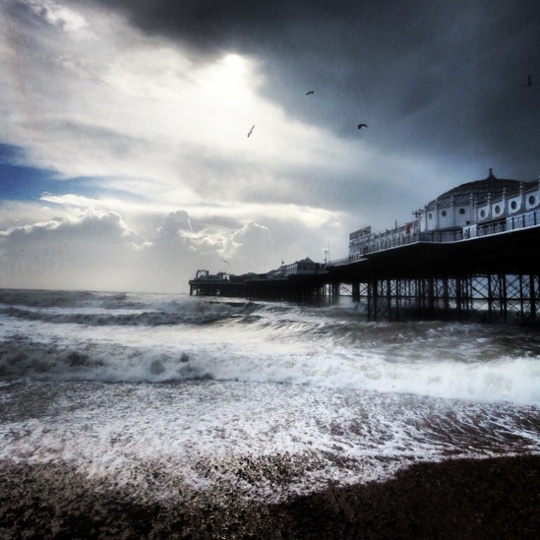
431 77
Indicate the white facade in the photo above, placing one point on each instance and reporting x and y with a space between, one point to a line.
452 215
447 216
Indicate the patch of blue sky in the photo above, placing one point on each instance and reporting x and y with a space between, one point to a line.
19 181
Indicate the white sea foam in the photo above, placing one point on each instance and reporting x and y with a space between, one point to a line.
201 433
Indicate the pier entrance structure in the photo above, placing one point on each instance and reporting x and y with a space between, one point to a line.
471 254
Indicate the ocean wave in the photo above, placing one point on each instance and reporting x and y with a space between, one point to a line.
45 298
131 314
145 318
159 338
126 359
21 357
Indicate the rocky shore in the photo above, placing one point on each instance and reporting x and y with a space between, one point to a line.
476 499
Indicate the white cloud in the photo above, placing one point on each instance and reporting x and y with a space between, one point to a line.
76 252
95 250
78 247
174 224
56 14
251 245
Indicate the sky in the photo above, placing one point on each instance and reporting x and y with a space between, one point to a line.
125 161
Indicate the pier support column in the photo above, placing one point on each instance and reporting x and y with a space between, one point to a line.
504 297
335 292
356 292
389 298
533 286
458 298
373 296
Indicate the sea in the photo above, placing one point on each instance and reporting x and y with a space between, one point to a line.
167 395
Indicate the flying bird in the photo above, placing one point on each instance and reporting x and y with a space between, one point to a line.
310 92
360 126
529 81
251 130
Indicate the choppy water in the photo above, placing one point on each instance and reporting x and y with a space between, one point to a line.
149 392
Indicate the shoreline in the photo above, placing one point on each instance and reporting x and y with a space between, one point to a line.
455 499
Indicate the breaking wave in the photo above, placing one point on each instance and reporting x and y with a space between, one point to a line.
98 309
155 338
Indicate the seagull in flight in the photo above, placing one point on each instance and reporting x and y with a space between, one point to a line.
310 92
529 81
251 130
360 126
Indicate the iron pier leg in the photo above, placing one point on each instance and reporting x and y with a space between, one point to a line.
534 285
356 292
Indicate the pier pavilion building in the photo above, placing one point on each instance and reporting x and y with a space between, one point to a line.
469 210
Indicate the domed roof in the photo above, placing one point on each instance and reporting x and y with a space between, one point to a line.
479 189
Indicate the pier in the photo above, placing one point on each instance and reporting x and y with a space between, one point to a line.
489 278
493 278
481 264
